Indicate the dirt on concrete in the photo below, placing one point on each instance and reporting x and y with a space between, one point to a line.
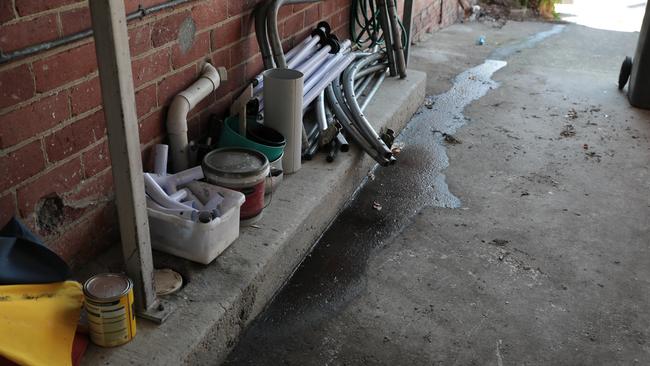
525 244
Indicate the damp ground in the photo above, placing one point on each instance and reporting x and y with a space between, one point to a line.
513 229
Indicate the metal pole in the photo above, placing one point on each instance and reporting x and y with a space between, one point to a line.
408 25
114 61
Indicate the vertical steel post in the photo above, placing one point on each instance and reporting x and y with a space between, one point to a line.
114 61
407 16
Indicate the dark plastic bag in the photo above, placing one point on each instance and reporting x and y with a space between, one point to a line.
25 260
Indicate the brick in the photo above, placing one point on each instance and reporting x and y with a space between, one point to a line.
95 232
85 96
59 180
209 13
152 127
200 49
132 5
226 33
221 58
140 40
174 84
96 159
150 67
20 165
166 29
96 188
75 20
243 50
6 11
22 34
312 16
73 137
7 208
146 100
293 25
16 85
236 79
33 119
254 66
27 7
236 7
64 67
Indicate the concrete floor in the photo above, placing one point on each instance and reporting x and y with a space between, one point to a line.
544 258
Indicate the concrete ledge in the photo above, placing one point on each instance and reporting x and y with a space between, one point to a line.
220 299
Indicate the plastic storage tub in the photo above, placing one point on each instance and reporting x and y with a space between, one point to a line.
197 241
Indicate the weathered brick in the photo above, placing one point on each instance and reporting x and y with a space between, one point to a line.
91 190
64 67
166 29
150 67
132 5
73 137
236 79
209 13
174 84
20 165
236 7
85 96
7 208
59 180
312 15
293 25
27 7
145 100
96 159
22 34
254 66
200 49
75 20
226 33
140 40
243 50
16 85
6 11
33 119
152 127
221 58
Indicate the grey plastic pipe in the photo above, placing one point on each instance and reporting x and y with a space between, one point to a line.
358 116
182 104
272 28
283 97
262 36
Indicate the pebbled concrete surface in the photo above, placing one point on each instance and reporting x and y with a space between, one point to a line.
545 261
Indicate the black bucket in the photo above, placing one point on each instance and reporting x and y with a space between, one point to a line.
264 135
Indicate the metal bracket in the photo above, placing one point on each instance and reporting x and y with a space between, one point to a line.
159 312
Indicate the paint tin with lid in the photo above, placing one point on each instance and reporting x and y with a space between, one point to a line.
109 304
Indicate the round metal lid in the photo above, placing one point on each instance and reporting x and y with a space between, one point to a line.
107 286
235 161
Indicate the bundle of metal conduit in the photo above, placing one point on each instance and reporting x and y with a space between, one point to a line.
338 85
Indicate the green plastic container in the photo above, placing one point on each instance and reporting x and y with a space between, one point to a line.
231 138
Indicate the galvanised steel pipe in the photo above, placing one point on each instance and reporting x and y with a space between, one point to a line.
334 96
373 90
360 119
319 108
398 47
388 36
371 70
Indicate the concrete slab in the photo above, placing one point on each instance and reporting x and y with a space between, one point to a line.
220 299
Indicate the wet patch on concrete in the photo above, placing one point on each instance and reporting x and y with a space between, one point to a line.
506 51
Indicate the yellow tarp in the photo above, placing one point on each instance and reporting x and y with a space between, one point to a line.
38 322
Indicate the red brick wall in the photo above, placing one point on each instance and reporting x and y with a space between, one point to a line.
54 165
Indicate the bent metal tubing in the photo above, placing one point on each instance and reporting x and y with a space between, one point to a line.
361 121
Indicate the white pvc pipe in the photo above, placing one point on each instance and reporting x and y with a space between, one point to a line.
331 75
169 183
159 195
283 93
181 106
161 152
187 213
179 195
